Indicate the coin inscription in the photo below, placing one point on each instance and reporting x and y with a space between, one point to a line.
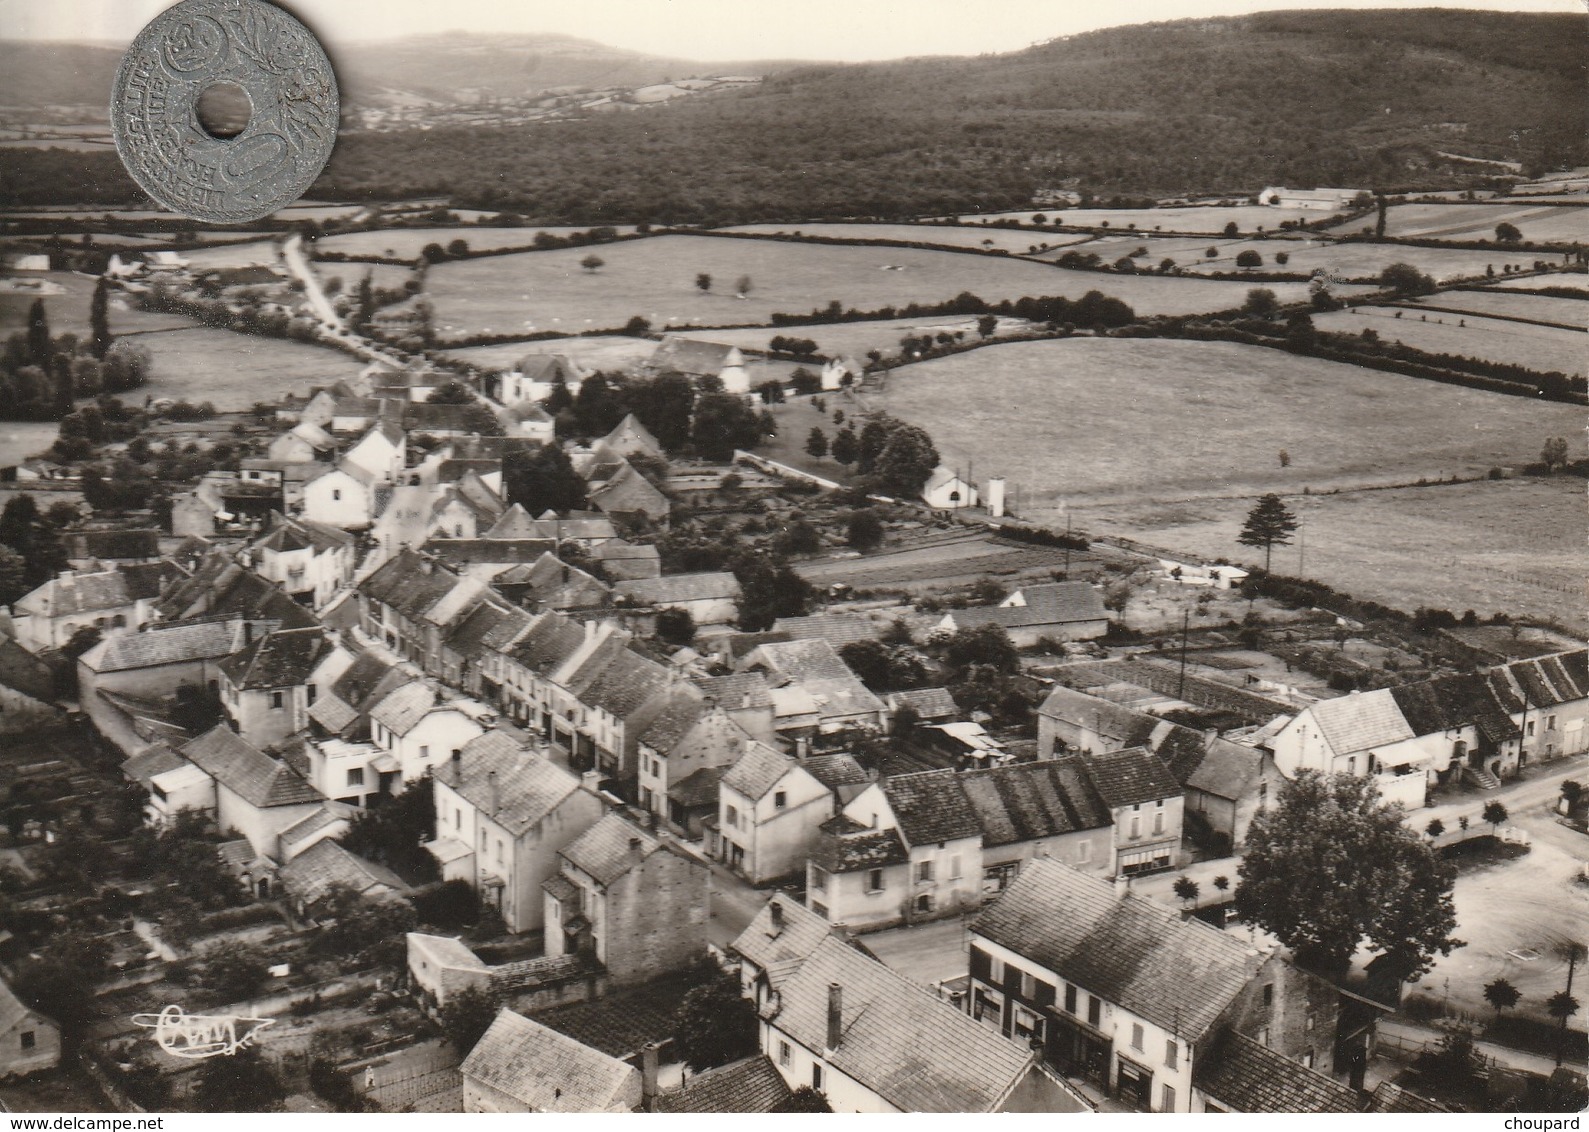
288 139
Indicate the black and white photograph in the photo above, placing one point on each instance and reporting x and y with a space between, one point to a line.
793 557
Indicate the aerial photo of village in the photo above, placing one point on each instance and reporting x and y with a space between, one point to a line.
875 572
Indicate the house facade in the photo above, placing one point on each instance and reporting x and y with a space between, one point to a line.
770 812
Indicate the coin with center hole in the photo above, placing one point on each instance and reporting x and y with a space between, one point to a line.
211 165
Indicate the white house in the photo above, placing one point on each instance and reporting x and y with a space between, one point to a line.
112 601
251 793
421 730
382 452
310 561
695 359
342 496
945 490
770 810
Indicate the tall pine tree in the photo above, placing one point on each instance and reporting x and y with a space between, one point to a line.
40 346
99 320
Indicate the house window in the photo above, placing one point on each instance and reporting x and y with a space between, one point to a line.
1028 986
424 754
1531 727
924 871
457 819
499 850
1136 826
1158 822
1167 1103
336 494
275 699
1094 1010
1083 852
1550 723
731 815
1268 994
310 692
1263 1036
924 902
816 1077
954 867
780 800
29 1039
1136 1035
819 879
995 970
1070 999
1308 1025
785 1055
1351 765
355 776
1172 1053
1307 1059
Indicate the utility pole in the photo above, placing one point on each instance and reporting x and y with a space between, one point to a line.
1186 621
1302 550
1067 544
1572 964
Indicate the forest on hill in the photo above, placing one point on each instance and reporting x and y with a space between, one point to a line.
1302 98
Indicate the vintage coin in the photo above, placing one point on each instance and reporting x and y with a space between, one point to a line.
280 66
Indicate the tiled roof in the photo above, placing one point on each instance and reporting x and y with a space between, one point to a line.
625 685
552 640
526 788
670 589
682 710
699 788
547 1071
690 356
1433 706
778 947
247 771
1129 777
277 660
105 545
818 668
1026 801
1361 720
752 1085
758 770
490 551
560 585
446 951
1130 951
1228 770
516 523
622 1024
151 761
610 848
315 821
928 703
897 1039
312 874
835 771
1119 724
399 710
737 692
930 806
847 846
1394 1098
364 679
547 368
81 593
1240 1075
629 492
302 534
837 629
1055 603
492 626
1545 681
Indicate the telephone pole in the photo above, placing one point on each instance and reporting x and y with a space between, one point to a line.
1186 621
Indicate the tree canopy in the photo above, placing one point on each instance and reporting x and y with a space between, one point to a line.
715 1024
1331 866
542 480
1270 523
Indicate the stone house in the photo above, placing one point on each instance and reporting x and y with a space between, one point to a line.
520 1065
113 601
639 904
1061 611
30 1042
266 688
711 599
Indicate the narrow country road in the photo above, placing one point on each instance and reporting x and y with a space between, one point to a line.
298 264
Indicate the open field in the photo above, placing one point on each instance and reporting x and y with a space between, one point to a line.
1363 261
945 235
1152 419
383 276
1197 218
68 312
21 439
1541 308
612 352
232 371
1543 348
655 279
854 339
1512 546
257 252
1478 221
1573 281
407 243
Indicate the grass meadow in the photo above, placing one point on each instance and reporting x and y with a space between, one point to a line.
655 279
1544 222
1543 348
1139 420
1211 219
1542 308
1512 546
232 371
407 243
943 235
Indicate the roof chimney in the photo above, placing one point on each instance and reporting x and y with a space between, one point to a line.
775 912
1122 886
648 1075
591 780
636 849
248 632
835 1016
493 792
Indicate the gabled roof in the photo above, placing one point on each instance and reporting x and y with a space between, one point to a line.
777 941
690 356
627 492
1228 770
410 583
1117 723
151 762
928 703
507 783
302 534
1027 801
75 593
684 709
1243 1076
558 585
1133 952
312 874
546 368
847 846
23 672
749 1086
818 668
699 789
399 710
625 685
930 806
490 551
897 1039
630 436
610 848
741 691
492 626
446 951
551 641
547 1071
1361 720
1129 777
758 770
672 589
107 545
247 771
838 629
1544 681
837 772
280 659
